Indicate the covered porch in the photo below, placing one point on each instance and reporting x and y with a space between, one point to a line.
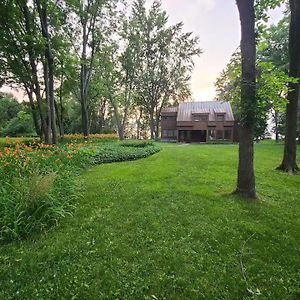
203 136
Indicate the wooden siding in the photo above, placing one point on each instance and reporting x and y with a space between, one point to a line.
194 129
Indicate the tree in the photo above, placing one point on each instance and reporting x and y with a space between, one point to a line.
14 117
272 80
27 35
289 163
88 24
246 177
167 54
9 109
20 49
48 64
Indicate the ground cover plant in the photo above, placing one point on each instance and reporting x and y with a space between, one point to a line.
167 227
39 183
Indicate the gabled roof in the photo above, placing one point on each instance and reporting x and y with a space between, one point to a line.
187 109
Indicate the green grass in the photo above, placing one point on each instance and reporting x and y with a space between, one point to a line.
166 227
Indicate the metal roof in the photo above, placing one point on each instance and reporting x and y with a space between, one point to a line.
169 109
201 111
186 109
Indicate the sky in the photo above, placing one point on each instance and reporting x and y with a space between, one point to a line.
216 23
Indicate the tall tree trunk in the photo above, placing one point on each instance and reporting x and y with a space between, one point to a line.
120 126
246 178
34 112
48 109
48 69
152 125
60 115
33 66
276 126
83 85
59 120
51 93
139 124
289 162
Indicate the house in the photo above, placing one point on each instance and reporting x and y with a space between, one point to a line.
198 122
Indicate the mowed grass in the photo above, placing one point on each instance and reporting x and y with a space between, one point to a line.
166 227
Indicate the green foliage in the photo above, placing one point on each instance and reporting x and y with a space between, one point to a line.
137 144
38 186
120 153
162 228
14 118
166 61
39 183
9 108
19 126
272 78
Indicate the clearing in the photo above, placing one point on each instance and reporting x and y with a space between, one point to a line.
166 227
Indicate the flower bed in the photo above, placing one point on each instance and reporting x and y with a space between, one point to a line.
120 153
39 183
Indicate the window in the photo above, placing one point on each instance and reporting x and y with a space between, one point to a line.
201 118
169 134
227 134
165 133
169 118
220 118
219 134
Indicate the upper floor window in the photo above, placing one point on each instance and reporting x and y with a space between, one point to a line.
220 117
201 118
169 118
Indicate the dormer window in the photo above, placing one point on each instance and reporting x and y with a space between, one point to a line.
200 117
220 117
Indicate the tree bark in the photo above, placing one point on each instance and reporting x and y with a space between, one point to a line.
152 126
289 162
83 86
48 110
33 66
246 178
60 112
48 69
276 126
34 112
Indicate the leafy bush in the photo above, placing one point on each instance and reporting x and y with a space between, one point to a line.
38 186
137 144
38 182
118 154
22 124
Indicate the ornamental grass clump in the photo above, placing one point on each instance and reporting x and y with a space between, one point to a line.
39 183
38 186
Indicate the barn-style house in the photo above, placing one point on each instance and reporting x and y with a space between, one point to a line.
195 122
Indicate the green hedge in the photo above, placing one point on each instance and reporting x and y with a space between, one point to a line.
118 154
137 144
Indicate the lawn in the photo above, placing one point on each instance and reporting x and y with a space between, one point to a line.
166 227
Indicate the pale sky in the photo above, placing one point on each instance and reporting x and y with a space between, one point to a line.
216 22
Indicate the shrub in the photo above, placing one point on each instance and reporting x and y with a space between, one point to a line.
38 182
137 144
38 186
118 154
22 124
